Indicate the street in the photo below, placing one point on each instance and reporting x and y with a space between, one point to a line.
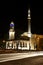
17 56
38 60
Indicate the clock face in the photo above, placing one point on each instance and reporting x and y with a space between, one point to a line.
11 25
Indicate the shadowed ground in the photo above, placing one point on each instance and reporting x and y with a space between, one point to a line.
27 61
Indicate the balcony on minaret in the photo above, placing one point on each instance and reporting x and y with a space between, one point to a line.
29 14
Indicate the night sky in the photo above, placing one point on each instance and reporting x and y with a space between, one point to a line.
17 11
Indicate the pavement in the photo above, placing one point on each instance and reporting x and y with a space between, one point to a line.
17 56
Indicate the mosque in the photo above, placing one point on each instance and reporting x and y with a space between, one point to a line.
27 40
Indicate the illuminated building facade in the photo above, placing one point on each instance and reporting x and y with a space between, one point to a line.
27 40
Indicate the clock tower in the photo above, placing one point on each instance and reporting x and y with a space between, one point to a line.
11 31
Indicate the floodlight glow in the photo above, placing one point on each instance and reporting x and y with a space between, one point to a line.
29 11
12 22
28 15
29 35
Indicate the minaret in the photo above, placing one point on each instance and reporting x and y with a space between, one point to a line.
29 24
11 31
